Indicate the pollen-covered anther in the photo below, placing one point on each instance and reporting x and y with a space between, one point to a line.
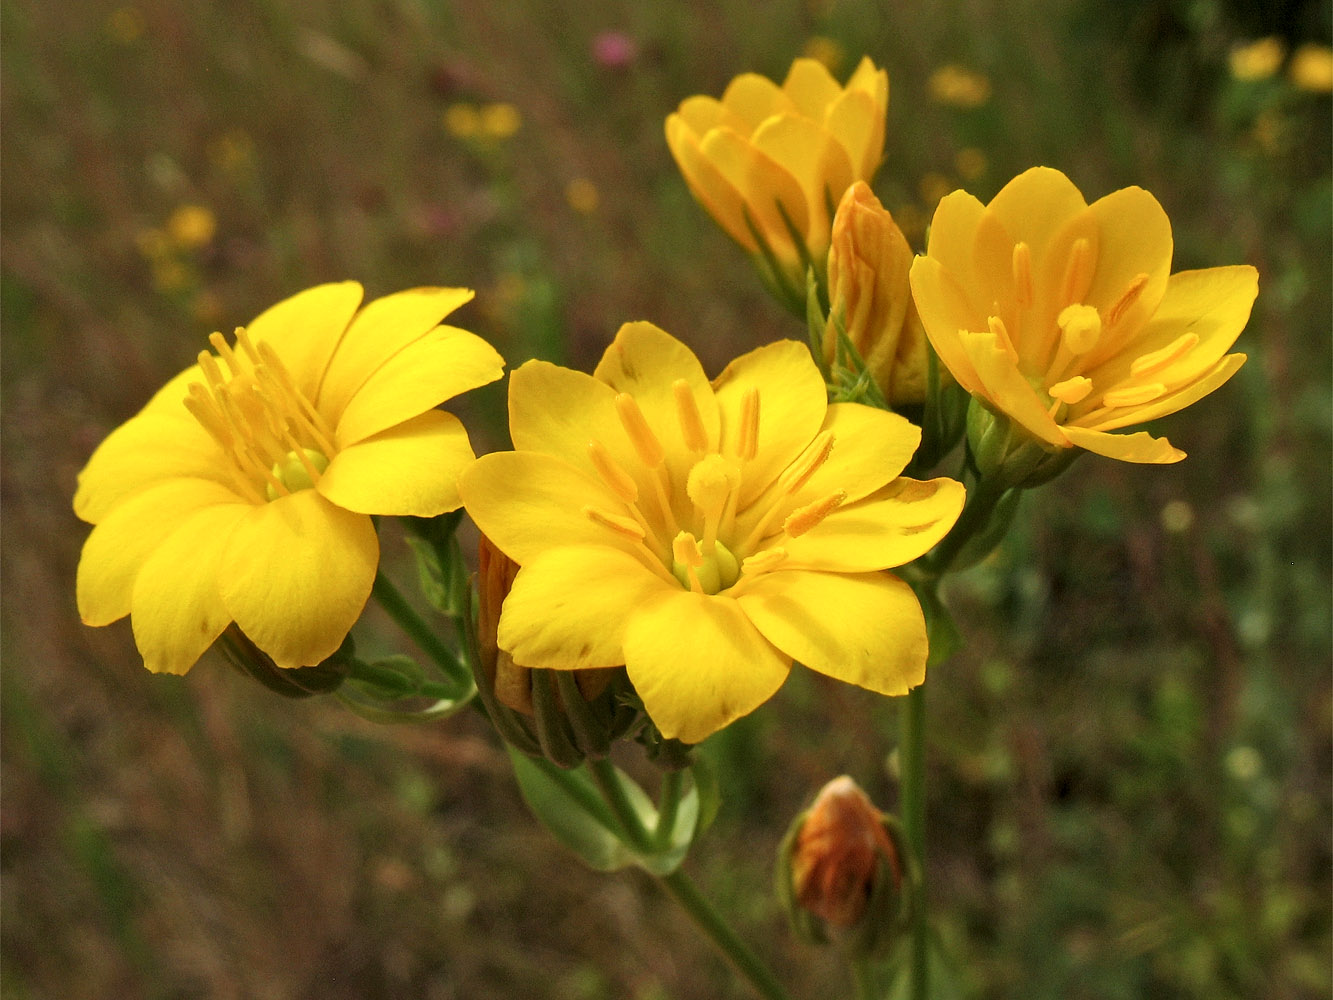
687 413
747 443
805 518
1081 327
641 436
1022 269
1151 364
1002 337
807 463
618 523
1078 273
1071 390
617 480
1134 395
1127 299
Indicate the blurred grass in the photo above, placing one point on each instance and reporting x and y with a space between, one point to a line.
1130 762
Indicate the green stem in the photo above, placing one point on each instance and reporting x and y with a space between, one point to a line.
865 981
604 773
976 516
406 617
708 920
672 782
912 761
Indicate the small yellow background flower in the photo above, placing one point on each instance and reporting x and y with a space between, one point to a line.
707 534
243 490
1065 317
765 151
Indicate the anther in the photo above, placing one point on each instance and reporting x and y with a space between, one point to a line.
641 436
1022 267
617 523
687 412
226 353
1001 333
617 479
1071 390
804 518
1127 299
807 463
1135 395
1078 273
747 443
764 562
1150 364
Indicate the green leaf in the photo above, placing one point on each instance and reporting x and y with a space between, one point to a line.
565 802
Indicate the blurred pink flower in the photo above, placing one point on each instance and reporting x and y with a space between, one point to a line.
614 49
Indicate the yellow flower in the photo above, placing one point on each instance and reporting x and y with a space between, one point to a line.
191 227
706 534
243 491
1065 317
1312 68
867 272
959 87
769 162
1257 60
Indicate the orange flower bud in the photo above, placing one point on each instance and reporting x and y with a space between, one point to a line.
868 265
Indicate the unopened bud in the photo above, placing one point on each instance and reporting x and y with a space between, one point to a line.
844 872
290 682
868 265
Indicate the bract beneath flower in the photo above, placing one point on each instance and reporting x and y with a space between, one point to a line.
703 533
243 490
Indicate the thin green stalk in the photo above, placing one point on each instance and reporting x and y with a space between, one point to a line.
604 773
865 979
976 516
672 783
406 617
912 762
732 948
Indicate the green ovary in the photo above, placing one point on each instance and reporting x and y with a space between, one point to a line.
716 573
294 474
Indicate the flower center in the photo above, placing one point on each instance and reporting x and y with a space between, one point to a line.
249 404
700 535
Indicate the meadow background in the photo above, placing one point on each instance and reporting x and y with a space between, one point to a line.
1129 765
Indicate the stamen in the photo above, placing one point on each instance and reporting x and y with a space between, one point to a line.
1127 299
640 434
747 443
278 372
213 377
1151 364
621 525
1078 273
1135 395
247 346
807 463
807 517
617 479
764 562
1080 327
685 549
1022 267
687 412
1071 390
226 353
997 327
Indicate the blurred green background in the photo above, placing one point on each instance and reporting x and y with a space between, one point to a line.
1129 765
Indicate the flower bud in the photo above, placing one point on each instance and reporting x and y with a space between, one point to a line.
563 715
868 265
844 872
1005 452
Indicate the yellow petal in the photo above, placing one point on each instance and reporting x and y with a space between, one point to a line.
953 237
701 113
792 404
946 315
811 87
751 99
1134 238
306 329
819 164
698 663
177 607
569 606
527 502
410 469
767 187
1006 388
857 123
436 367
296 575
1033 208
558 411
147 449
645 361
117 548
1141 447
866 629
875 82
718 195
378 334
1212 304
890 528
